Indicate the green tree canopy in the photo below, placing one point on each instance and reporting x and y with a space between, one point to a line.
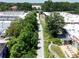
25 44
55 24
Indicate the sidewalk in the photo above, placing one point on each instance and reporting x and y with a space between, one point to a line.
40 51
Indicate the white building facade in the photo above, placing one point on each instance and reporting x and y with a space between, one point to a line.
72 27
7 16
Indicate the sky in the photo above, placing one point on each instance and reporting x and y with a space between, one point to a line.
36 1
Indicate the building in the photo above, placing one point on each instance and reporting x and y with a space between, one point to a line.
3 50
7 16
47 13
36 5
11 15
14 8
72 27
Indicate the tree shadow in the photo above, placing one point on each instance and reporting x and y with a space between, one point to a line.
63 35
38 47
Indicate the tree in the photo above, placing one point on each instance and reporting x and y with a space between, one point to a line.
25 44
30 54
24 6
16 50
55 24
14 29
57 41
59 6
32 19
20 6
47 6
11 42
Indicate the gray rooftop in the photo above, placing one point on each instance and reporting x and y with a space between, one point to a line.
12 13
2 45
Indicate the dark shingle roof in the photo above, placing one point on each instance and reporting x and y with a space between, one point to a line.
2 45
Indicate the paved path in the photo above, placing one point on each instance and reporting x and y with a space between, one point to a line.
40 51
51 51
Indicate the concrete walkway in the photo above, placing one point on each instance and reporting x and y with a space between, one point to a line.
51 51
40 51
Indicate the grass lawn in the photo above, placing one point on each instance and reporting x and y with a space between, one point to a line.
46 43
58 50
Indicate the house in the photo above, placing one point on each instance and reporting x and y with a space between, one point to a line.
36 5
14 8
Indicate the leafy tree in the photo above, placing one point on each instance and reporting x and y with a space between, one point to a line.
13 41
57 41
55 24
25 44
30 54
24 6
47 6
20 6
16 50
14 29
59 6
32 20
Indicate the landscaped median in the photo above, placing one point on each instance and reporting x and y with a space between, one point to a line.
47 40
54 47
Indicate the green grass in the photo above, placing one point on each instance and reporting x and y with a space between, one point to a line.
58 50
46 43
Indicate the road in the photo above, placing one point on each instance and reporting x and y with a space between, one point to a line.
40 51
